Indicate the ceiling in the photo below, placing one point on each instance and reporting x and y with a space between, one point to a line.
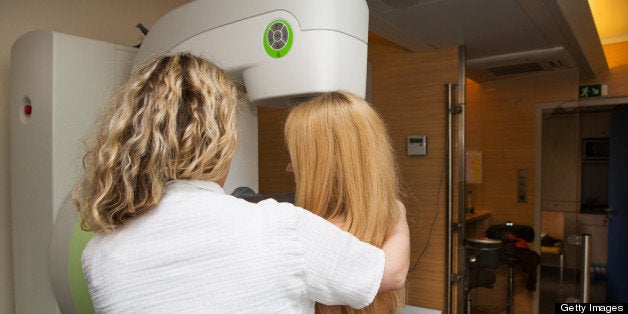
610 19
559 34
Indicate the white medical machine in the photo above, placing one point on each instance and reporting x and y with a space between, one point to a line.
282 50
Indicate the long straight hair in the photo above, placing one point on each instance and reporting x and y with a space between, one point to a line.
344 168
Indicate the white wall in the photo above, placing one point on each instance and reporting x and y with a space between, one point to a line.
113 21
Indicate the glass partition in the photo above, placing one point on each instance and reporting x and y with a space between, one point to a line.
502 231
578 136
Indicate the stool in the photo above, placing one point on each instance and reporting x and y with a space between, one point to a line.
480 255
507 233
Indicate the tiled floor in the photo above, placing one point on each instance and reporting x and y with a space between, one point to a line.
552 292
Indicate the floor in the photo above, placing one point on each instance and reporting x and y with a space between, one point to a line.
551 291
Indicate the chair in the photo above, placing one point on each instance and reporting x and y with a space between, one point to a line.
552 235
512 236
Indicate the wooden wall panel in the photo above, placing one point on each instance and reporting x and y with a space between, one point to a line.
500 123
408 91
273 155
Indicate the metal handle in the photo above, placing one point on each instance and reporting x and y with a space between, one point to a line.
610 215
586 267
584 241
448 281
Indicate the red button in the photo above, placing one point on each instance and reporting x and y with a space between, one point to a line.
28 109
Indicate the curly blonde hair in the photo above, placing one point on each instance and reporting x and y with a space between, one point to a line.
174 118
345 170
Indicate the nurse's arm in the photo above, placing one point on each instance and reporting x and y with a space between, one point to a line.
396 248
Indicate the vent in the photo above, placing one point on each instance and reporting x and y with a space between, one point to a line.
508 65
515 69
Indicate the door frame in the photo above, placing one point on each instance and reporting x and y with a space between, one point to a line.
539 109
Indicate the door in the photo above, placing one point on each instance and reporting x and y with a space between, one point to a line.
617 278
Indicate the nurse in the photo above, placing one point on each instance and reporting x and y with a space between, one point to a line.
168 238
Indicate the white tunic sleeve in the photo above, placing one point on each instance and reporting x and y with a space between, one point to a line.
340 269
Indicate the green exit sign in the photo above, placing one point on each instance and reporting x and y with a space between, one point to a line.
593 90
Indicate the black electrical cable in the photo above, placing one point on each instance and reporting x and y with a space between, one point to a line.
142 28
144 31
429 236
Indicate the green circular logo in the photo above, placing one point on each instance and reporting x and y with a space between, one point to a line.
278 38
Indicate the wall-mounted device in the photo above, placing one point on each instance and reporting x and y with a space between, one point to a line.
417 145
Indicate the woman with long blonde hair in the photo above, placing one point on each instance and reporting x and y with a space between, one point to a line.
170 240
345 171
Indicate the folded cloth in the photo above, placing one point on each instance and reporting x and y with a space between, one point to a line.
519 242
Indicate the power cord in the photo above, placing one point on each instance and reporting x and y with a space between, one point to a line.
429 236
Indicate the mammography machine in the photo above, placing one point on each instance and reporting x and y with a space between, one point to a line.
282 50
